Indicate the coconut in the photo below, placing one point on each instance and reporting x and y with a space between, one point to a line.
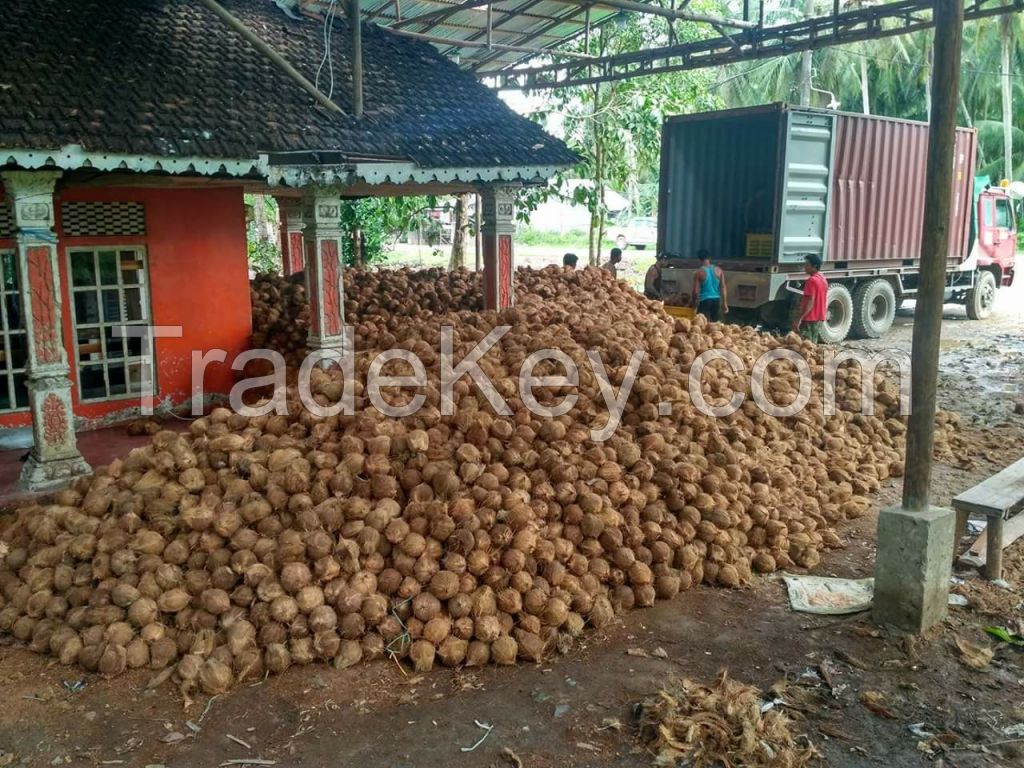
173 600
276 657
349 654
504 650
478 653
452 651
437 629
137 654
421 653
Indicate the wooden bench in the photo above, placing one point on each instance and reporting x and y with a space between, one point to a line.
999 498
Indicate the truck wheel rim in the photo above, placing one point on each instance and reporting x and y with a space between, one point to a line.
988 296
879 309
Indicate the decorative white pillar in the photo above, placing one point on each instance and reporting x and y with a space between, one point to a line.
54 459
292 224
497 230
322 235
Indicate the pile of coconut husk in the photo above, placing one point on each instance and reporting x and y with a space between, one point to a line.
722 724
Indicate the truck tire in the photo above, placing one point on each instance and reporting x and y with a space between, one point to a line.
874 309
982 296
840 314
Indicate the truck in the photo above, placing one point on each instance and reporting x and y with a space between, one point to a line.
760 188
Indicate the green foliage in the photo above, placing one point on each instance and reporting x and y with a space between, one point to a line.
616 127
262 232
264 256
892 74
382 220
570 238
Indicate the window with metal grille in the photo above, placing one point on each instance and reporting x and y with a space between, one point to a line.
110 290
14 352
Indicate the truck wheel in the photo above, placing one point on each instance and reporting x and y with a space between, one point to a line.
982 296
874 309
840 314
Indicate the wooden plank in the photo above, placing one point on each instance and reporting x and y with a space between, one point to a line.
1013 529
1002 494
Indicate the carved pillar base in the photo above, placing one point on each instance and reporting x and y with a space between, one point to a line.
322 236
497 229
41 476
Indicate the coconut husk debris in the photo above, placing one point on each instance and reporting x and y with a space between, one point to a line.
722 724
250 544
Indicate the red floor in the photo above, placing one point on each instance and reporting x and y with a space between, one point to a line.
99 447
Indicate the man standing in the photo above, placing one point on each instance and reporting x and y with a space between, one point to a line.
614 258
570 260
810 318
710 294
652 280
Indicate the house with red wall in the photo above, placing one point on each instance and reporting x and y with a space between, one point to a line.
129 133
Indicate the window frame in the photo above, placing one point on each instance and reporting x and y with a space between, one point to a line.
988 210
1002 203
7 373
146 361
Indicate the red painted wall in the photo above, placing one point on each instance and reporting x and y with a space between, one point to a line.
198 278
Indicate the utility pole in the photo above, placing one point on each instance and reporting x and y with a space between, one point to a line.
356 21
806 63
913 563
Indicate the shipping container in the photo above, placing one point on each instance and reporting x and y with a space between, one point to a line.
760 188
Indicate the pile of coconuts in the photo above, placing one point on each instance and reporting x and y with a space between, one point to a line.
248 544
280 307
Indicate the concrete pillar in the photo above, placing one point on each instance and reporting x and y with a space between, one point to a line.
497 229
912 568
322 236
54 459
292 224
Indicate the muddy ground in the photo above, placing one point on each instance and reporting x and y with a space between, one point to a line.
577 710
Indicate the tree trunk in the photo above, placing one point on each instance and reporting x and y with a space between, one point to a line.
459 232
596 212
865 92
927 81
806 63
358 257
259 216
478 233
1005 39
967 115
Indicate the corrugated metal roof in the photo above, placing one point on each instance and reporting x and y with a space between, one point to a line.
534 24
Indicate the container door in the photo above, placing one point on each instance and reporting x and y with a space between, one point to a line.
806 184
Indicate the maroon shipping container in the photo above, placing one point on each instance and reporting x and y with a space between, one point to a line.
878 179
775 183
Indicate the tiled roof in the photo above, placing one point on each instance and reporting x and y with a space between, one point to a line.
170 79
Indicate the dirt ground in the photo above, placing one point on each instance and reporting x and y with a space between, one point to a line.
928 706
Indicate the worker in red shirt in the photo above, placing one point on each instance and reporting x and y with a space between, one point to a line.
814 303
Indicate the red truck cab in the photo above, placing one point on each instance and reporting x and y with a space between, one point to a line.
996 245
993 253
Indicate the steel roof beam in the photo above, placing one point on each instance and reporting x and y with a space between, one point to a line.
623 5
767 42
455 43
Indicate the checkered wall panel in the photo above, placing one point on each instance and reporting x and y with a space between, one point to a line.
6 219
103 219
